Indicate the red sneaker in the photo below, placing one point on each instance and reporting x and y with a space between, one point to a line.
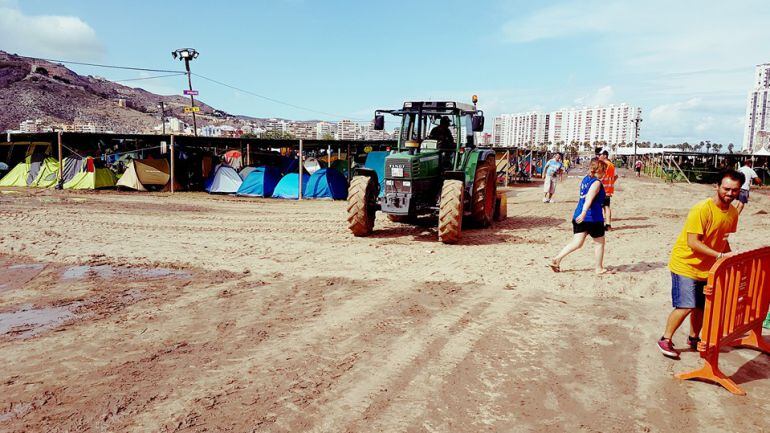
666 346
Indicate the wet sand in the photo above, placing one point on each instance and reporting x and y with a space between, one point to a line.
157 313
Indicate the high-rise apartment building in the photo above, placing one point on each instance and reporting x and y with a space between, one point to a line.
324 129
347 130
758 108
612 124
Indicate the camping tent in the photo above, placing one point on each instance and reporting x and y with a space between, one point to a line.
327 183
47 175
260 182
313 164
225 180
289 185
246 171
142 173
91 176
72 166
376 162
17 176
340 165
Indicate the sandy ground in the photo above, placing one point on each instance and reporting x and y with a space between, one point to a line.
157 313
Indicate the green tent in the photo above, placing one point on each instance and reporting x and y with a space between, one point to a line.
91 177
340 165
17 176
48 174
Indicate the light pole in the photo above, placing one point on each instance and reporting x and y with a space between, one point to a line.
162 107
188 54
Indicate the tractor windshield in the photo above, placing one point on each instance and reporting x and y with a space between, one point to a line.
419 127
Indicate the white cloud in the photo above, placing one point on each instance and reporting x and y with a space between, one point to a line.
603 96
667 54
693 120
65 37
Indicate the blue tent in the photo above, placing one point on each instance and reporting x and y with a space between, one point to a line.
376 161
224 180
327 183
260 182
289 185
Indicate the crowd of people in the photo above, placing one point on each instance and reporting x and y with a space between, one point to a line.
702 241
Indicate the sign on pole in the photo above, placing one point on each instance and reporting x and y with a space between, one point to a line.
192 109
191 92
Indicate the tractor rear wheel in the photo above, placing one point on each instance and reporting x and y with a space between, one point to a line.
450 214
484 191
362 205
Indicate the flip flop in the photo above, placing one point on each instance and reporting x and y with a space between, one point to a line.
605 272
554 267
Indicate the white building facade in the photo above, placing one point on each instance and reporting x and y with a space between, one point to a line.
608 125
758 109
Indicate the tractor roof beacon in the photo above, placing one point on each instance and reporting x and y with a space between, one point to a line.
437 169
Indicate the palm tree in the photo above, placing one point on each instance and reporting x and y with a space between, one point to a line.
708 146
730 147
717 147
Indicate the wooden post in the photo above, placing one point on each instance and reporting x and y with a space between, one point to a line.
349 160
301 165
58 137
172 163
507 166
248 154
329 155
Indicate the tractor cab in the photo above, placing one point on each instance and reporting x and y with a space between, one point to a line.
435 169
445 127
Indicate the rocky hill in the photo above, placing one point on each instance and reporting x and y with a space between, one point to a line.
36 89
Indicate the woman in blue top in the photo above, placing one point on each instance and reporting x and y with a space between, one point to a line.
587 218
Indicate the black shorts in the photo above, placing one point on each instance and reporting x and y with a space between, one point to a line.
606 202
593 228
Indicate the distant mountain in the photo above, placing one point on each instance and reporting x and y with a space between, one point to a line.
36 89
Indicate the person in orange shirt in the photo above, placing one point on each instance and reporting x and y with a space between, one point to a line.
609 187
701 243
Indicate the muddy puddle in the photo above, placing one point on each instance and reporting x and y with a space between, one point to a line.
38 297
14 276
29 321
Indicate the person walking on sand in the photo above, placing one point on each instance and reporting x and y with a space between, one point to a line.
552 168
608 180
702 241
751 176
638 167
587 218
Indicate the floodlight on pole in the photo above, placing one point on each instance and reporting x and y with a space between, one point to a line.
188 54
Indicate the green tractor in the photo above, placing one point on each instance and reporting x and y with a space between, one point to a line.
437 170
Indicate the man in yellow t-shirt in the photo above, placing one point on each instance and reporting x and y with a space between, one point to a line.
701 243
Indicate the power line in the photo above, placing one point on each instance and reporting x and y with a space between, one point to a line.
130 68
267 98
149 78
174 73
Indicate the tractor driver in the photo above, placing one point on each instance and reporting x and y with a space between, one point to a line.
443 135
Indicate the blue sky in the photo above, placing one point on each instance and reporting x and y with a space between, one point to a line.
688 64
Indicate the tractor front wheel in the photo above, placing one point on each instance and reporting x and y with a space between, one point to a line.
484 191
450 214
362 205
